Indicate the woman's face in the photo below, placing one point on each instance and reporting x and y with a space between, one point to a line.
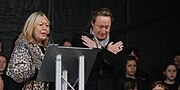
2 63
131 67
41 30
170 72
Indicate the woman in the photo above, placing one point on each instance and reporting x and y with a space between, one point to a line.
131 67
170 72
27 55
2 69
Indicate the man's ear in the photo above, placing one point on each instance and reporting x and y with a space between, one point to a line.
92 23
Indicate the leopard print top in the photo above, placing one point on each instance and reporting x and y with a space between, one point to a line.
25 60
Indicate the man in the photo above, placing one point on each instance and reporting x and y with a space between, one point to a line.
98 36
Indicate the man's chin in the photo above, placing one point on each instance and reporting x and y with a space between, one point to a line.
101 38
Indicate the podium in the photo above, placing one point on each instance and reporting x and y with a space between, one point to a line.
67 65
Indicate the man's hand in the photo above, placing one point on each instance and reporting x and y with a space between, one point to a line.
115 47
90 43
112 47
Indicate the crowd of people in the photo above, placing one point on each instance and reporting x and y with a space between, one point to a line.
106 74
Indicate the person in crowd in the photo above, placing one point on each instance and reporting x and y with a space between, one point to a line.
2 69
158 85
170 73
98 36
28 52
176 60
6 83
1 45
133 51
129 84
130 71
66 43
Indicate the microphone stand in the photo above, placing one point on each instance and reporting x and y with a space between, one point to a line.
51 39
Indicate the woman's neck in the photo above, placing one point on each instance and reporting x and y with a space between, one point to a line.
130 76
169 81
40 43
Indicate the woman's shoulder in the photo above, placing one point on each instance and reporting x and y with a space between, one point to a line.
23 42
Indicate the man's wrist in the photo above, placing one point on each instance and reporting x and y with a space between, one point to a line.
99 46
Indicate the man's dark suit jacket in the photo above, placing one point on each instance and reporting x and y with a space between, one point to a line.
105 66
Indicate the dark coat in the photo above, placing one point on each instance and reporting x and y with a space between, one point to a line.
105 66
142 82
10 84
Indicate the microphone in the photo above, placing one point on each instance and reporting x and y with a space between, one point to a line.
50 37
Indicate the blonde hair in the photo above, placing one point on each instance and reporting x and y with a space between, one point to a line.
28 29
